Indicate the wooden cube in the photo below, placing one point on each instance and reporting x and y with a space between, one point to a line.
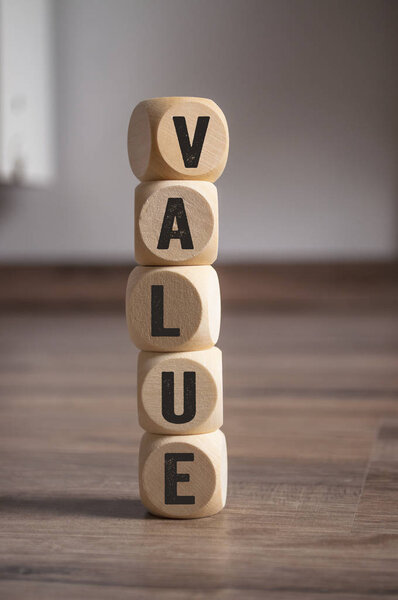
176 223
180 392
183 477
178 138
171 309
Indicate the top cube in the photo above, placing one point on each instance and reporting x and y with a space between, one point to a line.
178 138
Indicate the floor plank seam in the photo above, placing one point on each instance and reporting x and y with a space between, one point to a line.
366 472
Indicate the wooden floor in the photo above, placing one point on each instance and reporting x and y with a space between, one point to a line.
311 419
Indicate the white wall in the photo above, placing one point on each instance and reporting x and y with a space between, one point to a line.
26 92
310 92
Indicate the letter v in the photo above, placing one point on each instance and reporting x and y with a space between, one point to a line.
191 153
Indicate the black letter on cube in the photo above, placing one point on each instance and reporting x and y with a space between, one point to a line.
157 314
168 397
175 209
191 154
171 477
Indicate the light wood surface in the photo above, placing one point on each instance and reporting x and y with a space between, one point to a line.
176 223
173 308
178 138
311 419
192 405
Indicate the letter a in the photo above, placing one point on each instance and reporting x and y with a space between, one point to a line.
175 210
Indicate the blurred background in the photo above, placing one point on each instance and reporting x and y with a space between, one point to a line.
309 88
309 281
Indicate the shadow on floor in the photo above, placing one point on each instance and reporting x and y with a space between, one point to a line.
116 508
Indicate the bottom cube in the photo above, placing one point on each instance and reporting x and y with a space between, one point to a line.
183 476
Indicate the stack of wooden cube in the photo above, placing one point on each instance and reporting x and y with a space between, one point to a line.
178 147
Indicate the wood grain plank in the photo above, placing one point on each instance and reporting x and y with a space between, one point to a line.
339 286
305 394
378 509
